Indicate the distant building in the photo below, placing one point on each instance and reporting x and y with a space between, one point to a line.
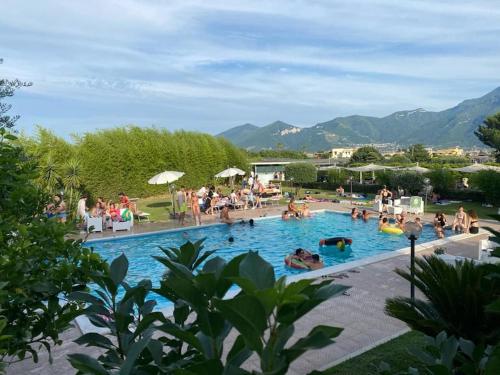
342 153
454 151
274 169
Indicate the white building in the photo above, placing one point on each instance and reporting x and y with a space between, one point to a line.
342 153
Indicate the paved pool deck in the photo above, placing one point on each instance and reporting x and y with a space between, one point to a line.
361 313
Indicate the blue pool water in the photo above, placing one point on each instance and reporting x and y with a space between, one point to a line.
273 238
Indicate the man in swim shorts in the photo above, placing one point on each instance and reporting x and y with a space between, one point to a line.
181 204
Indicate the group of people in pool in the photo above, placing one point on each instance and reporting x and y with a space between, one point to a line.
312 261
463 222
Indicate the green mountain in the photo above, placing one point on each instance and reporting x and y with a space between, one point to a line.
451 127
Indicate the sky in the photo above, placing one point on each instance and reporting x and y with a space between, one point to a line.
209 65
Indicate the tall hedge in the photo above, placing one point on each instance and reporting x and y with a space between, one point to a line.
301 172
124 159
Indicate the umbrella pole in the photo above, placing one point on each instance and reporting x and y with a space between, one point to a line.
173 204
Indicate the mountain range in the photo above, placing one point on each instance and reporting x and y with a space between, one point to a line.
451 127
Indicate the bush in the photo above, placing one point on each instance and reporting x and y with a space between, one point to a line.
410 181
458 300
442 180
356 187
124 159
489 183
301 172
39 265
367 154
262 316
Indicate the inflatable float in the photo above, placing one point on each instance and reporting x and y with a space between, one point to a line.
293 262
340 242
392 230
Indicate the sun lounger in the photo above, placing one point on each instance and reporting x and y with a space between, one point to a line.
142 216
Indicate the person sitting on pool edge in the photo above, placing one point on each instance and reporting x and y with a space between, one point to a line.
314 263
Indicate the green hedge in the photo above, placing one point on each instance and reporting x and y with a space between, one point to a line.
301 172
124 159
356 187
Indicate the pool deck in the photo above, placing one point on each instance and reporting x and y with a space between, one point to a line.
361 313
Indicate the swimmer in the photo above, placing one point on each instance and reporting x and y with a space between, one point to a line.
314 263
251 222
305 211
355 213
231 239
285 216
365 215
383 224
302 254
185 235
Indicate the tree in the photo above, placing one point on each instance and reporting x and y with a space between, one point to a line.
367 154
301 172
489 133
39 265
417 153
7 89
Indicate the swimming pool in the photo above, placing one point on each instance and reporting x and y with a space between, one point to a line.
272 237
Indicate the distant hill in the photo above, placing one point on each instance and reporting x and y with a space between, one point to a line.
451 127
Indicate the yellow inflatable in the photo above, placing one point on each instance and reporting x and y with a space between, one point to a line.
392 230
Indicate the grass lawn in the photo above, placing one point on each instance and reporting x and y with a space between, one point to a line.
158 207
451 209
394 352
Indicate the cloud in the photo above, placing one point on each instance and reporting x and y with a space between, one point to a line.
208 65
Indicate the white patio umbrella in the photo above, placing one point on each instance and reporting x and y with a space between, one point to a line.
474 168
368 168
230 173
416 169
166 177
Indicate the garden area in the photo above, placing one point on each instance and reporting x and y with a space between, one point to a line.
50 278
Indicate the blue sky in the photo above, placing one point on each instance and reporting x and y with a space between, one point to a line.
210 65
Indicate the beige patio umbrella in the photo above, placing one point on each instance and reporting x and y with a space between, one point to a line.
230 173
416 169
477 167
368 168
166 177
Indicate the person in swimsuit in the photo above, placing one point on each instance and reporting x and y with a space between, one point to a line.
473 222
224 215
439 224
314 263
384 223
292 208
365 215
385 195
355 214
124 201
460 221
181 204
195 207
59 208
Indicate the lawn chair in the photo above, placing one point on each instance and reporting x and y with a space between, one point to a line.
416 205
95 223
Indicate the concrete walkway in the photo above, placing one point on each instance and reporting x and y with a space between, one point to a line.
361 313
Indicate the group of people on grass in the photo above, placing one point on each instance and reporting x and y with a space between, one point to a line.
463 222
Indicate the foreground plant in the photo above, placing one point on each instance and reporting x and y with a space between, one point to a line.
39 266
211 331
460 300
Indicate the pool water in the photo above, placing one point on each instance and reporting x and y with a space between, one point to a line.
273 238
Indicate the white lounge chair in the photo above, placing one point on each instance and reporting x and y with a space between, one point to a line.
123 225
94 224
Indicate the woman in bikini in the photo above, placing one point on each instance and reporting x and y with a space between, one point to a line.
460 221
195 207
473 222
385 195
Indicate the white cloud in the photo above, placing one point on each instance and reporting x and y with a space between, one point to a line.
300 61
